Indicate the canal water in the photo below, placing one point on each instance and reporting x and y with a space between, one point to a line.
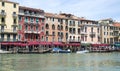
60 62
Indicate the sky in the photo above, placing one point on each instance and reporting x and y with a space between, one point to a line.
90 9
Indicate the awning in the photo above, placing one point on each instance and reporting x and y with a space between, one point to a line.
73 44
58 43
117 45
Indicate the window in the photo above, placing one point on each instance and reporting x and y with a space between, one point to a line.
98 30
20 18
92 38
53 27
47 33
2 19
86 29
14 29
31 20
2 37
26 19
14 5
104 40
36 28
14 37
14 13
53 33
19 27
78 38
3 3
85 38
66 35
2 11
42 28
8 37
58 27
42 20
37 20
92 29
31 28
26 27
53 19
47 26
66 28
61 27
2 28
14 20
73 38
46 38
19 37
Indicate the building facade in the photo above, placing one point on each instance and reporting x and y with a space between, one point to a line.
109 31
90 31
56 28
8 20
31 24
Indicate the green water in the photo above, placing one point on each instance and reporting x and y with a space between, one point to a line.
60 62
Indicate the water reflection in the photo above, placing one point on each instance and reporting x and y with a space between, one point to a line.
60 62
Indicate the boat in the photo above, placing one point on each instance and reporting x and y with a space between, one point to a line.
82 51
4 52
58 50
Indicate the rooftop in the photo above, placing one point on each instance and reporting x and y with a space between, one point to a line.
31 9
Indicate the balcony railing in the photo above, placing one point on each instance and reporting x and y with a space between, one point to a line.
8 39
73 40
32 31
14 15
83 33
92 33
32 15
2 13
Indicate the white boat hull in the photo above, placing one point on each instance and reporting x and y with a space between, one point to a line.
4 52
84 51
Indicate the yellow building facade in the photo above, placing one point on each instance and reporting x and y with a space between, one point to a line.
8 20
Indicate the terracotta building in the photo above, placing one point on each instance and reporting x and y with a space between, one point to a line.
31 24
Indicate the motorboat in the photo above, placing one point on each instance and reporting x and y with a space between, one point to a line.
58 50
82 51
3 52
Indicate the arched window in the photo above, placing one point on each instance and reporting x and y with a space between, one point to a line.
66 28
53 27
47 26
58 27
61 27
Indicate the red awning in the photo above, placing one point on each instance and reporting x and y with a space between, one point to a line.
58 43
73 44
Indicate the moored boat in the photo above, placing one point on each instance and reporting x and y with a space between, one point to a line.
58 50
4 52
83 51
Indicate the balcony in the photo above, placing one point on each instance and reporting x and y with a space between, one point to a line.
8 39
32 15
3 14
92 33
2 24
8 31
73 40
14 15
26 22
83 33
32 32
